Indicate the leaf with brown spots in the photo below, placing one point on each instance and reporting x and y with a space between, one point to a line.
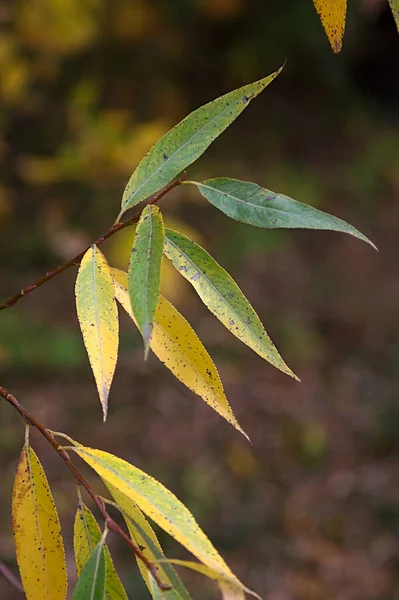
394 4
37 532
332 14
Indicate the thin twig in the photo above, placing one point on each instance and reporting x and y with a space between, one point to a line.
11 578
80 480
76 260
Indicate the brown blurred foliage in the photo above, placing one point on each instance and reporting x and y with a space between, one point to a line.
311 510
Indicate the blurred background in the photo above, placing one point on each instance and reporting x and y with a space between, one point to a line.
311 510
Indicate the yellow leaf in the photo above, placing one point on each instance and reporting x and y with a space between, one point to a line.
394 4
98 318
177 345
332 14
37 532
157 502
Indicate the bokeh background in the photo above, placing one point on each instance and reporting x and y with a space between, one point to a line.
311 510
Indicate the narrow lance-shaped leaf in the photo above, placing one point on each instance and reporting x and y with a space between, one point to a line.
37 532
158 503
90 585
98 318
145 270
394 4
249 203
332 14
86 536
144 536
219 292
177 345
183 144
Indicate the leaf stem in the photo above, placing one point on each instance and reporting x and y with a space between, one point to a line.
110 524
76 260
11 578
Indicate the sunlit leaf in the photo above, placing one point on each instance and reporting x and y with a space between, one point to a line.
183 144
98 318
177 345
394 4
86 536
144 536
37 532
332 14
249 203
219 292
145 270
158 503
90 585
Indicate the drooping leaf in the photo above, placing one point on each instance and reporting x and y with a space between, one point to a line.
144 536
249 203
86 536
158 503
37 532
98 318
177 345
145 270
219 292
394 4
91 583
183 144
332 14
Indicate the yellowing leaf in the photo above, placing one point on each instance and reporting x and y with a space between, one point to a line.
333 15
37 532
219 292
157 502
145 270
144 536
86 536
98 318
177 345
394 4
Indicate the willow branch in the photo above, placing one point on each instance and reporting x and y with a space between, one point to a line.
11 578
76 260
80 480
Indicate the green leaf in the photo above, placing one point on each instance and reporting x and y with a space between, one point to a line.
87 535
219 292
394 4
98 319
90 585
249 203
183 144
145 270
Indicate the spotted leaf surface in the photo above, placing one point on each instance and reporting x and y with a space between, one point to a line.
98 318
249 203
394 4
86 536
91 583
145 270
332 14
177 345
37 532
183 144
144 536
157 502
219 292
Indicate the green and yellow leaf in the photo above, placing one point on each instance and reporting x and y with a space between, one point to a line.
145 270
249 203
37 532
332 14
158 503
219 292
86 536
98 318
177 345
91 583
394 4
183 144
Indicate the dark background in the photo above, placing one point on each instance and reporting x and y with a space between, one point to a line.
311 510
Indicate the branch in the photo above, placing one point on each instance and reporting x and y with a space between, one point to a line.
9 575
80 480
76 260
